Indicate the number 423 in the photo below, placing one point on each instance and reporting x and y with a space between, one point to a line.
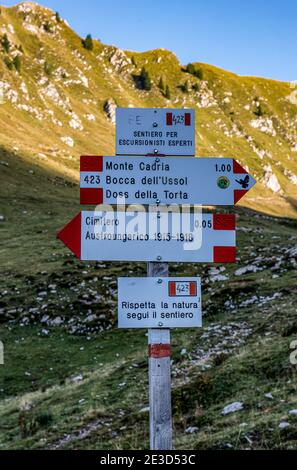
93 179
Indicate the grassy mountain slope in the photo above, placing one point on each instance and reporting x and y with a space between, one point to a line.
88 389
72 380
61 90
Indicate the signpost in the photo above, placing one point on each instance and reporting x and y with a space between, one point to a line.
159 235
155 131
141 236
166 180
159 352
159 302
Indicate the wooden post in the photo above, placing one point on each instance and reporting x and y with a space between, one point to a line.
159 377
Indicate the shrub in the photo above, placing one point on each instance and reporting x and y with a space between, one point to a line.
44 418
47 27
190 69
145 80
29 423
184 87
21 49
48 69
58 17
259 111
8 63
161 84
133 61
199 74
196 87
17 63
167 93
88 43
220 358
5 43
290 329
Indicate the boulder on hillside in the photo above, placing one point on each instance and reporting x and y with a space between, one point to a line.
110 110
119 60
270 180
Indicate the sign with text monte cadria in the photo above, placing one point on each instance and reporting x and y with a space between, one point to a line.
151 236
159 302
165 180
152 131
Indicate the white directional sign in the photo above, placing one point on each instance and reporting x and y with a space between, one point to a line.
150 131
151 236
159 302
165 180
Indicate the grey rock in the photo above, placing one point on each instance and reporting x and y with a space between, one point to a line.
283 425
145 410
236 406
191 430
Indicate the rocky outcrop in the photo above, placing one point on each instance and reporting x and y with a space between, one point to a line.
110 110
119 60
264 125
270 180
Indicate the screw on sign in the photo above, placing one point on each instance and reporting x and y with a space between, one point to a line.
157 302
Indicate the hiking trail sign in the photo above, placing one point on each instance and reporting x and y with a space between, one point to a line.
141 236
158 236
152 302
155 131
165 180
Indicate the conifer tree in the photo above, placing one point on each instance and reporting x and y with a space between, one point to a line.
17 63
8 63
199 74
190 69
5 43
88 43
259 111
167 93
145 80
161 84
47 27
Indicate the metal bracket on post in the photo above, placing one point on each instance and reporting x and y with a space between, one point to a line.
159 377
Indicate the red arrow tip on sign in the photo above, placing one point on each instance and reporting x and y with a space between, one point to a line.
70 235
238 194
237 168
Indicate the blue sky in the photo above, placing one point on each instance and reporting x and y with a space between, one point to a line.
248 37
